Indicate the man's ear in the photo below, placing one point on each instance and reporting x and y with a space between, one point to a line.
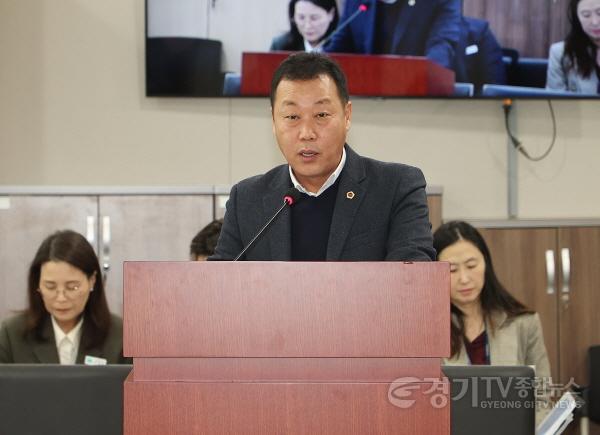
348 114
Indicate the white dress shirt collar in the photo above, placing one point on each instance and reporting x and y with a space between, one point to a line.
67 345
309 48
328 183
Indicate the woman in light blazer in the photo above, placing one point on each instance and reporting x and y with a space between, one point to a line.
574 64
489 326
68 320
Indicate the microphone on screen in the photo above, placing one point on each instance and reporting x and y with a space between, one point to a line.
363 7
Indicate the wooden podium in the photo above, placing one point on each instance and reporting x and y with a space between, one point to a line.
286 348
367 75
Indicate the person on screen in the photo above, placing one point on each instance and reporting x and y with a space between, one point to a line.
574 64
204 243
405 27
67 320
479 57
351 208
310 22
489 326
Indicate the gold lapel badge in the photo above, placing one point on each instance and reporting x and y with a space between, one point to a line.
350 195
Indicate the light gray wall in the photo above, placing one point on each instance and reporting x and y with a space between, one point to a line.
178 18
73 112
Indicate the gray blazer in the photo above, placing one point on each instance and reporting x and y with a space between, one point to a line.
16 348
386 219
561 77
519 341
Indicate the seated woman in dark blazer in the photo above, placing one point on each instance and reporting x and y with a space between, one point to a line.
68 320
311 21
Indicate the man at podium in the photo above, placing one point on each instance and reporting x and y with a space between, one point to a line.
350 208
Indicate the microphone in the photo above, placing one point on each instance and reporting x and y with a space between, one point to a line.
291 197
364 6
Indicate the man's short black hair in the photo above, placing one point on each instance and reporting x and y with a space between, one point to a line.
205 242
309 66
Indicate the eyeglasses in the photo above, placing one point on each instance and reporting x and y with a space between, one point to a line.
70 291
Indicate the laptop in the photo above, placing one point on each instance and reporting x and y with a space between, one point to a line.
61 399
491 400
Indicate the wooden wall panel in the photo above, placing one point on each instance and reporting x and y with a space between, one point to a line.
528 26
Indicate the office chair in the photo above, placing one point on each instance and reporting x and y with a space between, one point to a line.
530 72
463 89
523 91
183 67
232 84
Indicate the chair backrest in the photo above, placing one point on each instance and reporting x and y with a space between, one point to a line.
510 58
60 399
522 91
184 67
524 71
510 55
232 84
463 89
491 400
530 72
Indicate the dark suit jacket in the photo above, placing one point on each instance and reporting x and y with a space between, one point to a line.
387 219
287 42
429 28
482 64
15 348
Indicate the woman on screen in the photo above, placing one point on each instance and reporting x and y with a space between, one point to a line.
489 326
68 320
311 21
574 64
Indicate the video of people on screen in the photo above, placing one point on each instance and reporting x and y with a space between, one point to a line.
495 48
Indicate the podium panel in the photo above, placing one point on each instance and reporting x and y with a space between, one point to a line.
286 347
283 369
367 75
278 408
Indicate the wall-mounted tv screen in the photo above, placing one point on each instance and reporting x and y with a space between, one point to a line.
392 48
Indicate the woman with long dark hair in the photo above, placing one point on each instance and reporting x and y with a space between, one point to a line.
311 21
67 320
574 64
489 326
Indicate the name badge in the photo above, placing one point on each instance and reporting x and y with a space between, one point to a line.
94 361
471 49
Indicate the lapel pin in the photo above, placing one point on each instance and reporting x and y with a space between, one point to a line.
350 195
412 2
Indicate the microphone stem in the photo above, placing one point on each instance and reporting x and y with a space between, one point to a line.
249 245
338 29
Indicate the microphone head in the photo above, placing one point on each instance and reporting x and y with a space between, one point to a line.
363 7
292 196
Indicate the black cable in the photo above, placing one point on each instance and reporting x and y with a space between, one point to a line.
507 105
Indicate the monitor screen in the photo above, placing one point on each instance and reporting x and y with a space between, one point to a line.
491 399
474 48
65 399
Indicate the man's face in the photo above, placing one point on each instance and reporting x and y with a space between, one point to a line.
310 124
